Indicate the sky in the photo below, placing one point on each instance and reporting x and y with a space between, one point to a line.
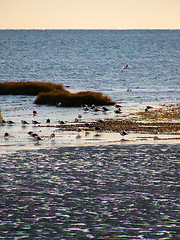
89 14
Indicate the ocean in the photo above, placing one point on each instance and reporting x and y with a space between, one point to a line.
95 186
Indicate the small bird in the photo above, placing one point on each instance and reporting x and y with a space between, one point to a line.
24 122
10 122
96 128
34 135
48 120
78 129
37 138
76 120
118 106
79 116
34 112
58 104
123 133
105 109
87 124
155 132
61 122
52 135
35 122
6 135
2 121
117 111
30 133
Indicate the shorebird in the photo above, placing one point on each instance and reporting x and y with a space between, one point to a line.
30 133
34 112
10 122
2 121
123 133
37 138
52 135
48 120
105 109
117 111
78 129
6 135
35 122
155 132
24 122
61 122
79 116
126 66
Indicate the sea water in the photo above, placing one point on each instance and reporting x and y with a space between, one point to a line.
87 60
59 189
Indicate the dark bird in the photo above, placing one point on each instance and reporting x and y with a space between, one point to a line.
52 135
30 133
117 111
37 138
123 133
6 135
48 120
105 109
35 122
24 122
34 113
10 122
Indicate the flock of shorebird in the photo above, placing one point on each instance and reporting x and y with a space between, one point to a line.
93 108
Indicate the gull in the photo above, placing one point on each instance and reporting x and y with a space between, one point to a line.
34 113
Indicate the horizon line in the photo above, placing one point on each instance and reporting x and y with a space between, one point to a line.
87 29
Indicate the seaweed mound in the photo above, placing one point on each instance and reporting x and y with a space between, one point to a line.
67 99
54 94
29 88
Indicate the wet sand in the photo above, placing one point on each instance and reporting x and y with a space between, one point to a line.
91 192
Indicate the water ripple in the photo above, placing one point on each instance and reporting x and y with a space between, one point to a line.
101 192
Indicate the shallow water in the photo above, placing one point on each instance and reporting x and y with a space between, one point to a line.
87 60
95 192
